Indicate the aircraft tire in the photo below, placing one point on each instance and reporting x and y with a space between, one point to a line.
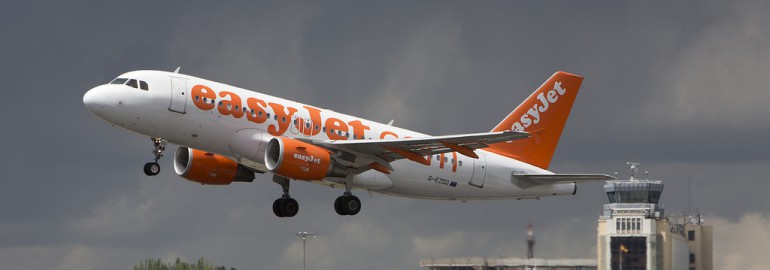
151 168
277 208
338 206
290 207
352 205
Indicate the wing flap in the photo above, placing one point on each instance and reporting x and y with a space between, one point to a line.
424 146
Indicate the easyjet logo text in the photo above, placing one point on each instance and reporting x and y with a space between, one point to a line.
306 158
533 115
259 111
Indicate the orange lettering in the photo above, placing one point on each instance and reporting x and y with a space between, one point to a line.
231 106
334 129
283 119
202 96
386 133
258 106
358 129
315 117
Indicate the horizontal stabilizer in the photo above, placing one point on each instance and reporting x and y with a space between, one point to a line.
526 181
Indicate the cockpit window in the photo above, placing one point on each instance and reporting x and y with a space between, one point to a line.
119 81
132 83
143 85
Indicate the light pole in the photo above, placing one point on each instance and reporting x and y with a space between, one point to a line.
304 236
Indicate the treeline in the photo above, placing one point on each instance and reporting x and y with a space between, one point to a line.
157 264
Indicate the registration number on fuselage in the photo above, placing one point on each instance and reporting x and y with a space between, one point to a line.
441 181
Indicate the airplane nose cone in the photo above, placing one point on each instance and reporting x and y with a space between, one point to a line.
93 100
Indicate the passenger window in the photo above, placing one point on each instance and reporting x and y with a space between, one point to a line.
143 85
132 83
460 163
438 158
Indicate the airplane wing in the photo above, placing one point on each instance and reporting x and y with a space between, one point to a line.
376 154
526 181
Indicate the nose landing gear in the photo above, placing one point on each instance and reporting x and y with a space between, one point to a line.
153 168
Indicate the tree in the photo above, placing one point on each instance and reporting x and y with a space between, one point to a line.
157 264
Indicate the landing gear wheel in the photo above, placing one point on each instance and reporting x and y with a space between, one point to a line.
337 207
290 207
352 205
277 208
285 207
151 168
347 205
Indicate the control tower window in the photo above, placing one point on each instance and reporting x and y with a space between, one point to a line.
143 85
119 81
132 83
633 251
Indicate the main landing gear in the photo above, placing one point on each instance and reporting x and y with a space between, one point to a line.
347 204
284 206
153 168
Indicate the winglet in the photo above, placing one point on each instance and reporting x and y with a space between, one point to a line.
177 69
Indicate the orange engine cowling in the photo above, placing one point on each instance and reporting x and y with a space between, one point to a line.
299 160
209 169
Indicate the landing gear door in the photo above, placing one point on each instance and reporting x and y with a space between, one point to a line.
178 95
479 171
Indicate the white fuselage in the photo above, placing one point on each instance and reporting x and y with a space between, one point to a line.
172 109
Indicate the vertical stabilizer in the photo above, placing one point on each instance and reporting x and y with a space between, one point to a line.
543 115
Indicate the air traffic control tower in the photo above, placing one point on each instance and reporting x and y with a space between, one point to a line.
634 234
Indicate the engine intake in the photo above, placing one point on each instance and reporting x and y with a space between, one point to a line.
209 169
299 160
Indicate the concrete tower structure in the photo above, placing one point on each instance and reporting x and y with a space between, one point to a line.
634 234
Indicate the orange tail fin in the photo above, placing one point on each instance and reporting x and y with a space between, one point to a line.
543 114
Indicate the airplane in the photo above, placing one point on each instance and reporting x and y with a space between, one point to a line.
228 134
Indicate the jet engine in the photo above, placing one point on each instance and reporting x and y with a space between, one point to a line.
299 160
209 169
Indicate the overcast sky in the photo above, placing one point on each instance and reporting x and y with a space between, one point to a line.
681 87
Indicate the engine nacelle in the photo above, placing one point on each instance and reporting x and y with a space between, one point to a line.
207 168
299 160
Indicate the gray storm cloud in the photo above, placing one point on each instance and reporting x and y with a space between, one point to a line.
680 87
